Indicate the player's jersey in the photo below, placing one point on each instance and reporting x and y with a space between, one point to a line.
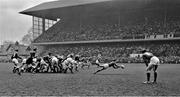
16 56
54 59
60 59
70 60
24 61
76 58
42 61
34 59
154 61
32 54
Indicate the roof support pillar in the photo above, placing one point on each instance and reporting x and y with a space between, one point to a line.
33 27
43 25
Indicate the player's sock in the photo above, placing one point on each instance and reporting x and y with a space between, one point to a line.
148 76
155 76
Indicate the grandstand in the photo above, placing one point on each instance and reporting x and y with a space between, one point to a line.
113 28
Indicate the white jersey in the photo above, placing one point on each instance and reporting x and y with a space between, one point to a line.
24 61
54 59
14 60
43 62
154 61
68 63
34 59
70 60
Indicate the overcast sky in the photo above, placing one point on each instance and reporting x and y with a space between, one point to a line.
12 24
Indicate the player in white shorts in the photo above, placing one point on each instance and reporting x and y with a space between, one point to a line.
153 63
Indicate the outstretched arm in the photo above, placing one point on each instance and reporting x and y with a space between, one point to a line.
100 70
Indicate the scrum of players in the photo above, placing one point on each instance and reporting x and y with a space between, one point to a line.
72 63
48 63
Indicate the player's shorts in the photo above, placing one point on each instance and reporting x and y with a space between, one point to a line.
106 65
154 67
154 63
14 60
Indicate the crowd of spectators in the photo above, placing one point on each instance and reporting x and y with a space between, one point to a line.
64 31
167 52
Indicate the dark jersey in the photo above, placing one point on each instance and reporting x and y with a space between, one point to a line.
60 60
47 59
112 64
32 54
76 58
146 57
15 55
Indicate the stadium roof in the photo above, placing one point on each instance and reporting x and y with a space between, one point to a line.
60 4
43 9
65 8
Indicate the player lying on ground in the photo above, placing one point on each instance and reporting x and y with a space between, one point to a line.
108 65
152 64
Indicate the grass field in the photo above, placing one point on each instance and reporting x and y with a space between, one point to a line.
127 82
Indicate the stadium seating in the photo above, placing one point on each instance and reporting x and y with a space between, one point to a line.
72 31
61 33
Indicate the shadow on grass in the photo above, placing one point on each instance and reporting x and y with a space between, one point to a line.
112 74
50 73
